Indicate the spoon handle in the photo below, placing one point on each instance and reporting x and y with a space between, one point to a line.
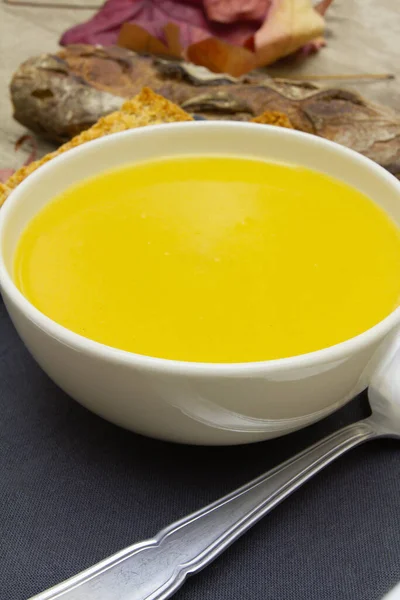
156 568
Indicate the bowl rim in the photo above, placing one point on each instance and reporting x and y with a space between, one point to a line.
80 343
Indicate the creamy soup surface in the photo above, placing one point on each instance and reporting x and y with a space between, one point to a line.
212 259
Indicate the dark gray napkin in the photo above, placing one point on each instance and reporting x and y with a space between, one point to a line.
75 489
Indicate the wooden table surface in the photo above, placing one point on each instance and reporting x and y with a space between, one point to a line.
363 36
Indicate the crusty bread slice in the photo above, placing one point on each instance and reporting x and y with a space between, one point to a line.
147 108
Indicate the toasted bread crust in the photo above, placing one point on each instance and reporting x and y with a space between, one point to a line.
147 108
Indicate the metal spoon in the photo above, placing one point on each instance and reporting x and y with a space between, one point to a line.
156 568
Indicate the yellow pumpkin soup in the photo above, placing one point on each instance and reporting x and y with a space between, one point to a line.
212 259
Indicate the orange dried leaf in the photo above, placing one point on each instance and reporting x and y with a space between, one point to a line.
136 38
173 38
220 57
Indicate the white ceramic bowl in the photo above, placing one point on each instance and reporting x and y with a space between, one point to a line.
194 402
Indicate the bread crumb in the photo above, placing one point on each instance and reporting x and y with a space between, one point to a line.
273 117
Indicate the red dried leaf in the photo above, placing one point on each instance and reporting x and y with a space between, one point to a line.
153 15
311 48
32 142
323 6
230 11
6 173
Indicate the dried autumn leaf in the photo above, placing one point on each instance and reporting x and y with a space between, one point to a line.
323 6
289 26
173 39
5 174
153 15
319 42
229 11
138 39
231 36
220 57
